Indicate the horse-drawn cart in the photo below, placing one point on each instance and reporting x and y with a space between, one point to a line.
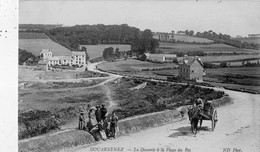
196 114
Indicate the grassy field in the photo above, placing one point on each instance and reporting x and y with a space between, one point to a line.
95 51
227 58
32 35
132 65
206 48
35 42
191 39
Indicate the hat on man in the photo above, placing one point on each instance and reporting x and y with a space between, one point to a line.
81 110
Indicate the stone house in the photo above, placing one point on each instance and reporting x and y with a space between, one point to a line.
191 68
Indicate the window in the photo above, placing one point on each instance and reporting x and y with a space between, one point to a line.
83 56
76 56
76 62
192 71
82 62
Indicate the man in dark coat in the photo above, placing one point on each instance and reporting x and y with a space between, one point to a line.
103 112
98 114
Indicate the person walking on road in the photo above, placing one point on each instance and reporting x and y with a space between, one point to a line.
113 125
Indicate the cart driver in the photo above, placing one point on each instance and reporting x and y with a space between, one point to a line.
199 103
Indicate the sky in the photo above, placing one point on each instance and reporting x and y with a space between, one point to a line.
241 17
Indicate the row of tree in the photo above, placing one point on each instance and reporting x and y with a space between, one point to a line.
95 34
110 55
226 39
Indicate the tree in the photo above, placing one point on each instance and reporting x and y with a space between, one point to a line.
24 56
142 57
186 32
145 44
108 53
191 33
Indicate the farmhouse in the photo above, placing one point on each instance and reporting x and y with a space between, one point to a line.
191 68
45 54
161 57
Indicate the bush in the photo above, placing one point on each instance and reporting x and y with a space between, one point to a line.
35 123
157 97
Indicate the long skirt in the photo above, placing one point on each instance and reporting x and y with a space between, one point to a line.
114 130
81 125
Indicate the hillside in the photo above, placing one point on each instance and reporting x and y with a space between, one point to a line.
206 48
190 39
35 42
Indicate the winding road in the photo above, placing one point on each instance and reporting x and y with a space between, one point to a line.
238 130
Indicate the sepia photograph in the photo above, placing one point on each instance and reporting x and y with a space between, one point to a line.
138 76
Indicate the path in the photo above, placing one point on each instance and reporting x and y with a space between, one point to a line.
238 128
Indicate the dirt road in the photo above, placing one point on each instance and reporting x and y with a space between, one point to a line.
237 129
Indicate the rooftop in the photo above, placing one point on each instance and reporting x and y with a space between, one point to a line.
42 62
190 60
45 51
78 53
54 58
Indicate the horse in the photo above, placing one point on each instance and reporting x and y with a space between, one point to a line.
194 117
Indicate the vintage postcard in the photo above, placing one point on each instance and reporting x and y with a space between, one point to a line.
139 76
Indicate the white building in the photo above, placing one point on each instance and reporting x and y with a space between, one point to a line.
161 57
79 57
45 54
66 60
54 60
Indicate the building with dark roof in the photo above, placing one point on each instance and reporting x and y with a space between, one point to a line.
191 68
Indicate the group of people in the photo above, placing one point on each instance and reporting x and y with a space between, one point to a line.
98 123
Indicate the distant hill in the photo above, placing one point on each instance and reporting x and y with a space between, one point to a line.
255 40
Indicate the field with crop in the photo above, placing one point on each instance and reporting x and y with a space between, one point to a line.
132 65
191 39
255 40
206 48
95 51
247 78
35 42
227 58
